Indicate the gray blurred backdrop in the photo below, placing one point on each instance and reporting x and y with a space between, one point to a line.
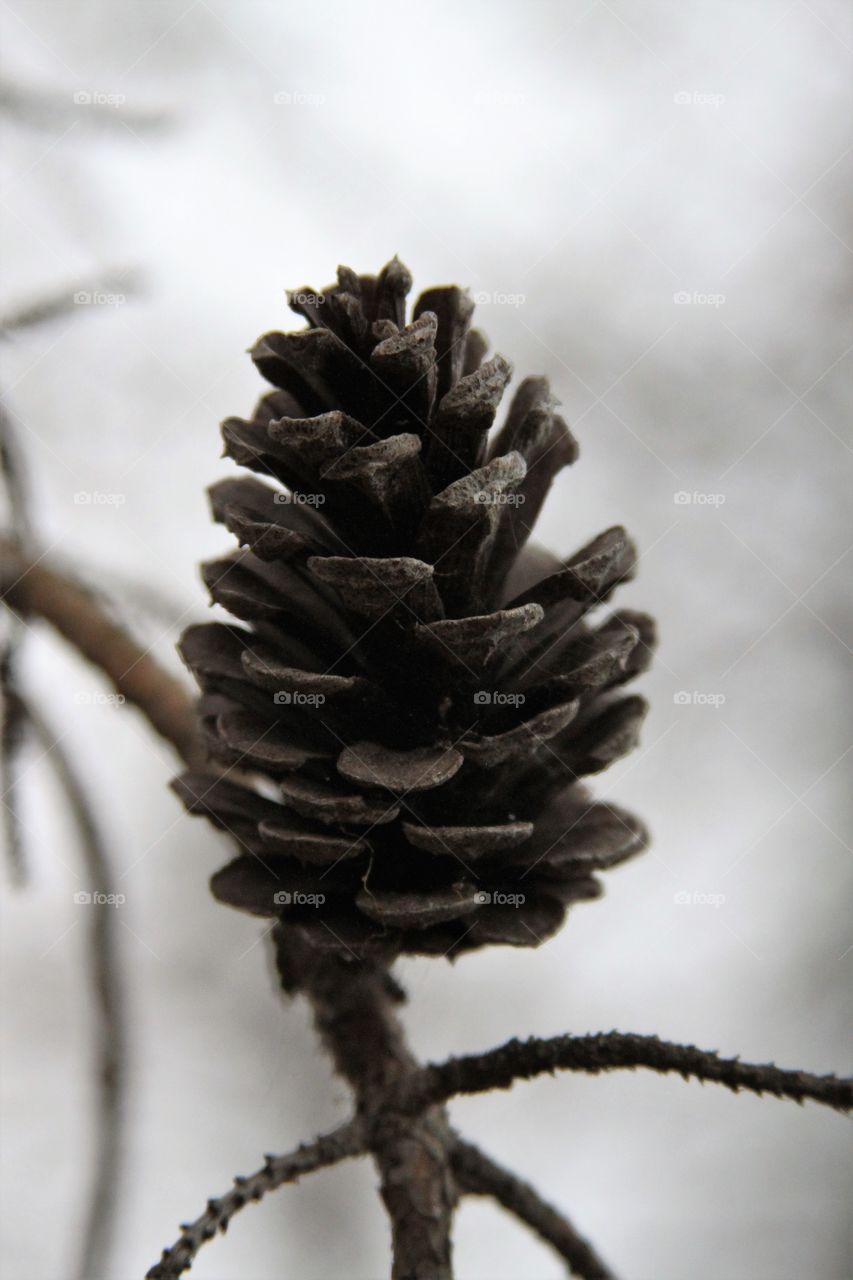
651 200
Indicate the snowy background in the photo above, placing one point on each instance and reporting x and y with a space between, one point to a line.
663 189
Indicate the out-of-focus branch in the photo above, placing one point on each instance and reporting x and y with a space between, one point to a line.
35 590
523 1059
12 718
105 977
14 480
74 299
44 109
477 1174
327 1150
12 735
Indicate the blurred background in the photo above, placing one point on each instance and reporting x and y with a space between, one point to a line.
651 203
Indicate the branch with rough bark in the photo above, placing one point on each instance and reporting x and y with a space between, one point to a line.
326 1151
355 1014
609 1051
477 1174
35 589
424 1166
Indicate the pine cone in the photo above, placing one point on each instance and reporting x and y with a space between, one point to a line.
417 694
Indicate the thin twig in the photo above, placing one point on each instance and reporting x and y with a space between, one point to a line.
43 109
12 738
33 588
12 719
479 1175
523 1059
75 299
15 483
110 1005
327 1150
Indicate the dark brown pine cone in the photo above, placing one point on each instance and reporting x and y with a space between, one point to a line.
416 694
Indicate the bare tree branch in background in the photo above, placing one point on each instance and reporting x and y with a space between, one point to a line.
33 588
53 306
12 737
39 108
21 721
16 495
105 975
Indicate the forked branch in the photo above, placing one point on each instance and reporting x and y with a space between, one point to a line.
355 1012
423 1167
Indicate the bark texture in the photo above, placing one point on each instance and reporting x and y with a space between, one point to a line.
355 1015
